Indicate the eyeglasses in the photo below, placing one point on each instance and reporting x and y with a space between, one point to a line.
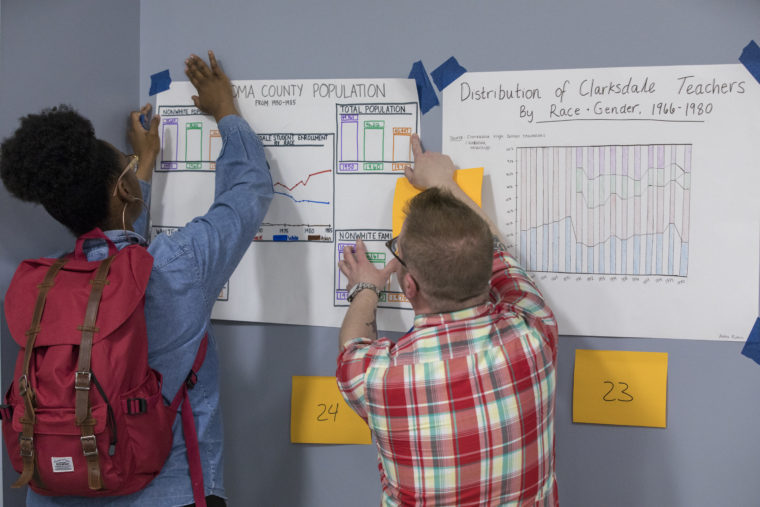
131 165
392 245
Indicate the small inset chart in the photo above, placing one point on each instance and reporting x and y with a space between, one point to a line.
378 255
621 209
190 141
301 165
374 138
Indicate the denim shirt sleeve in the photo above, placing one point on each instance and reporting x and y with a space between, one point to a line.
141 224
243 192
192 264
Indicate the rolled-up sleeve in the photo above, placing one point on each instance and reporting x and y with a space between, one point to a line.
353 363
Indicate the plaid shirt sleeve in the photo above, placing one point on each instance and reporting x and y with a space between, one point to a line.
511 285
353 362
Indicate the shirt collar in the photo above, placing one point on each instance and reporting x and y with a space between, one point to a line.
439 319
122 238
96 249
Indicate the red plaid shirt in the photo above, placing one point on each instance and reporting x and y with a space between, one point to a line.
462 407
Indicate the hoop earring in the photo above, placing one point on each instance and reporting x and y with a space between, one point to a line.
123 222
145 206
124 211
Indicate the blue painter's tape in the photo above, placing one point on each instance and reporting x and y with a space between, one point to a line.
425 90
447 73
751 59
160 82
145 121
752 345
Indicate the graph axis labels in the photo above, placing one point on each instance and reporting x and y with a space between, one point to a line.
604 209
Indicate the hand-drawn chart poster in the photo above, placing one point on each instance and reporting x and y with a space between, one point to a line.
630 194
335 149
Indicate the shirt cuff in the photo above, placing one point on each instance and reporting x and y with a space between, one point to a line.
355 343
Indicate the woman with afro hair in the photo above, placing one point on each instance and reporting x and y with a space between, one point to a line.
54 159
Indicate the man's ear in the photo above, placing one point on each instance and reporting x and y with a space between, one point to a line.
409 285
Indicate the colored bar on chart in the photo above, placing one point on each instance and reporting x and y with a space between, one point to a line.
349 137
374 141
193 145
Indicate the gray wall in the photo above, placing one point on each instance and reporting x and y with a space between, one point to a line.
707 455
83 53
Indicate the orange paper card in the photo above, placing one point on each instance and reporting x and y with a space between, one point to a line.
470 180
620 387
320 415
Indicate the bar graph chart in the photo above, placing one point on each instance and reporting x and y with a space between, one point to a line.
391 295
374 138
613 209
189 140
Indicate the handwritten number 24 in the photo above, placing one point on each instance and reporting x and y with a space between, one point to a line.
624 392
329 410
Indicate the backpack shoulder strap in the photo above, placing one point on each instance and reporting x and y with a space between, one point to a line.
26 438
83 376
188 425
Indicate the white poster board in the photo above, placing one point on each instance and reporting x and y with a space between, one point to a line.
335 149
629 194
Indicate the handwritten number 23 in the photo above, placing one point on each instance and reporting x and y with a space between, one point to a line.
623 391
329 411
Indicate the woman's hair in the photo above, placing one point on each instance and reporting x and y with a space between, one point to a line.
54 159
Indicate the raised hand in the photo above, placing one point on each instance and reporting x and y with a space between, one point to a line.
357 268
214 87
145 143
431 169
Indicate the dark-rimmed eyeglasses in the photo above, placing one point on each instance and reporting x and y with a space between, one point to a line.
392 245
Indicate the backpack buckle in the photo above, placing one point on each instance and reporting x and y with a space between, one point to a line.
136 406
26 446
82 380
89 445
191 380
23 385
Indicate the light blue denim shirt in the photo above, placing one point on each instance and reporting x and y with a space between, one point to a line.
189 269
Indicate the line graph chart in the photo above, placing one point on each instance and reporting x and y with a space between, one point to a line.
302 179
613 209
287 191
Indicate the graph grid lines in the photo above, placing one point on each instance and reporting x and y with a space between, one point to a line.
613 209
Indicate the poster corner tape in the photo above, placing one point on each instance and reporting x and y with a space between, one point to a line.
159 82
425 90
750 58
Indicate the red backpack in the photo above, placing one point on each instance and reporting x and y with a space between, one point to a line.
85 415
